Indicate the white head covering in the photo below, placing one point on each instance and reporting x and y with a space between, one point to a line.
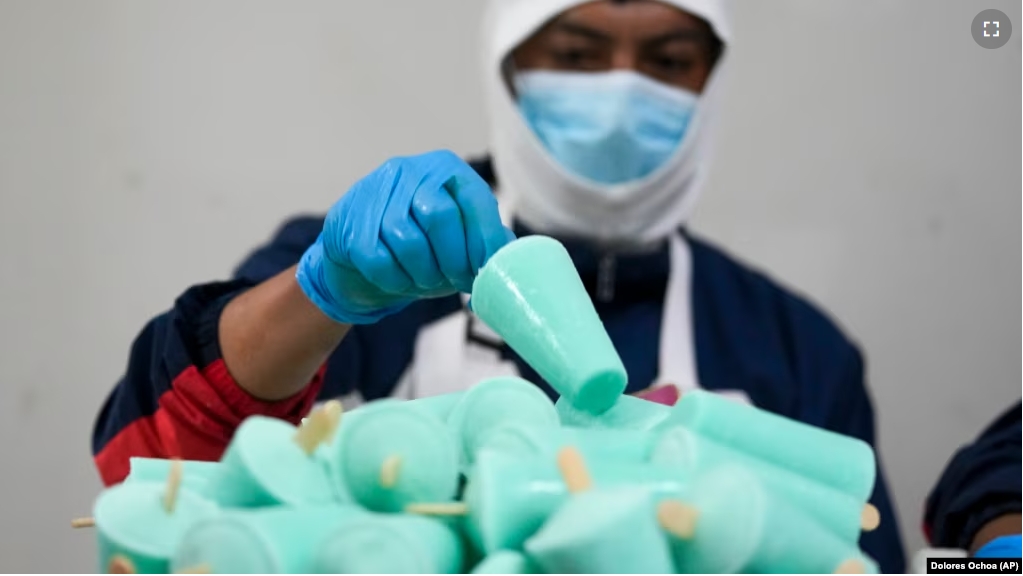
550 199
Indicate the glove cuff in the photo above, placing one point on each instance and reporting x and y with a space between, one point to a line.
311 280
1002 547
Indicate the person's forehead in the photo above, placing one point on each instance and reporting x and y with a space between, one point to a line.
610 15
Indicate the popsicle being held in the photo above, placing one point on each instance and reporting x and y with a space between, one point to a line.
530 293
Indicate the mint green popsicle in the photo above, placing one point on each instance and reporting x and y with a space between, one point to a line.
741 526
132 521
509 498
195 475
842 462
695 455
628 413
390 544
263 466
439 405
609 531
524 440
530 293
278 540
505 562
493 403
389 454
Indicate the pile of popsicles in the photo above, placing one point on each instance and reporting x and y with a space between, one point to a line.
499 479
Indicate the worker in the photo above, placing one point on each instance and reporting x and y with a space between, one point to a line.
602 115
976 504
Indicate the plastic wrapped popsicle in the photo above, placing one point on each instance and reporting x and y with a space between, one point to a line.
611 531
489 405
195 474
140 523
507 498
842 462
388 454
530 293
740 526
603 531
440 405
391 544
526 441
505 562
627 413
838 511
278 540
270 462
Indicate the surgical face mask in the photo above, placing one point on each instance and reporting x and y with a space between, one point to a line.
607 127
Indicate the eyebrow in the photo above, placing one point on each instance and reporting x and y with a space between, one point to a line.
585 31
688 34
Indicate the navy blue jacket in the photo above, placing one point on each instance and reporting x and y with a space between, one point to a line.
980 483
177 398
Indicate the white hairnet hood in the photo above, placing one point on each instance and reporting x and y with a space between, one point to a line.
545 196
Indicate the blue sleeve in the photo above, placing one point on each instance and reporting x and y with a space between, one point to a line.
980 483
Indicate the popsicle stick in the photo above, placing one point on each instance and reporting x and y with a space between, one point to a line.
677 518
438 508
870 519
121 565
389 471
333 410
318 427
851 566
197 569
573 470
170 495
83 522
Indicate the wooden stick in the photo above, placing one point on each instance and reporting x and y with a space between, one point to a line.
870 518
389 471
121 565
170 495
83 522
850 567
573 470
438 508
333 410
319 426
677 518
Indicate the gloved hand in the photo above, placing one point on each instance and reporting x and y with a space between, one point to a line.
1002 547
416 227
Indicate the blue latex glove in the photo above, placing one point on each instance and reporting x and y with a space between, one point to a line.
417 227
1002 547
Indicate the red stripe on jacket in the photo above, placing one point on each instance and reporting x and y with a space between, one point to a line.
195 420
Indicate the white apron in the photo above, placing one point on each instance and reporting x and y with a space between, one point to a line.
458 351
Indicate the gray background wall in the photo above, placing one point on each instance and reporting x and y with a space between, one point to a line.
869 158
